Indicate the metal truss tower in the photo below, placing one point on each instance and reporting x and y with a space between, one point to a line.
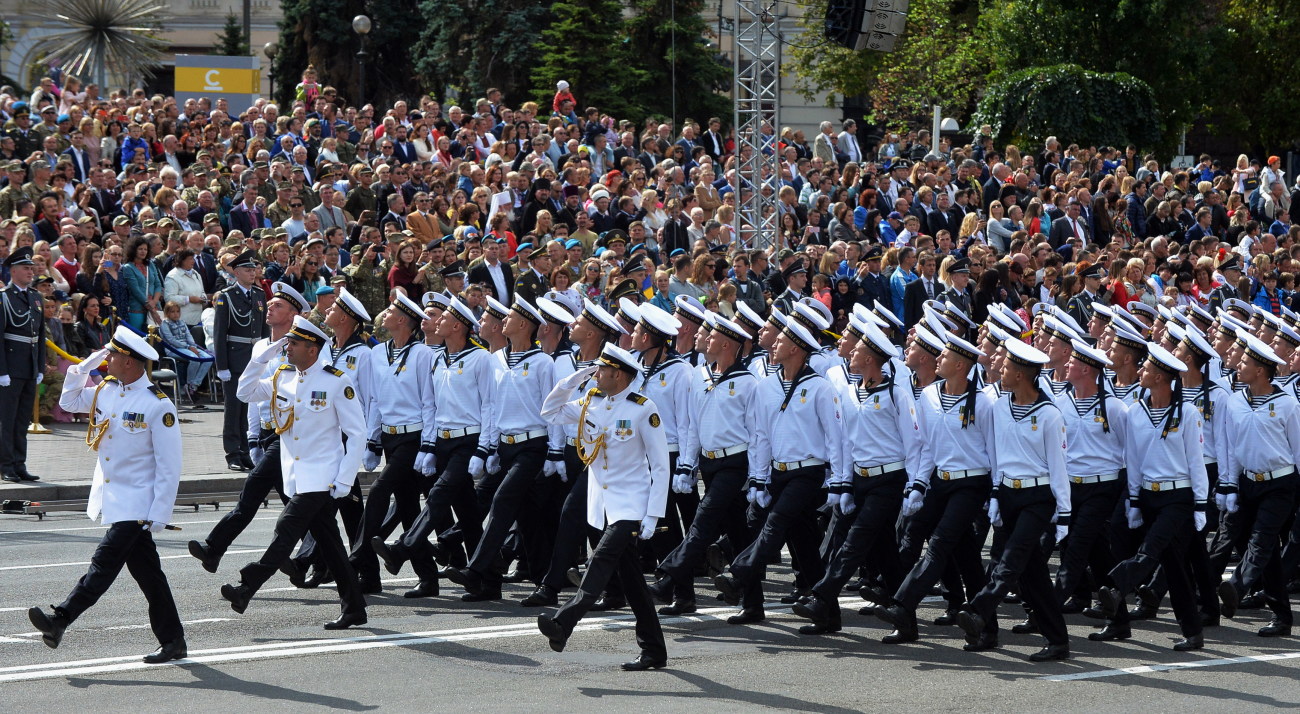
756 96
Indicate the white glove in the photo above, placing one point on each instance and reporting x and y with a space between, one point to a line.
338 490
493 463
572 381
223 375
369 460
40 377
420 460
751 495
1134 517
255 453
912 503
1221 501
763 499
268 352
832 500
995 512
1229 503
683 483
430 464
846 504
477 467
5 381
562 471
1198 518
648 527
155 527
549 469
91 363
1061 533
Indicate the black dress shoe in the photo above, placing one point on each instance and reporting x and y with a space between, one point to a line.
605 603
464 577
873 593
1110 601
904 622
547 625
683 606
234 463
392 561
355 619
793 597
370 587
1209 619
238 595
812 608
1011 598
317 577
204 556
716 559
50 626
1111 632
247 461
642 663
574 576
1072 606
855 585
819 629
1228 599
25 475
1253 601
662 590
543 596
296 577
972 623
1051 652
482 595
425 588
1147 596
1094 613
1187 644
514 576
1028 627
747 616
1275 628
12 477
985 641
869 611
947 619
1143 611
729 589
167 652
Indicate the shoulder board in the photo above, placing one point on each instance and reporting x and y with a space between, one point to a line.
110 378
157 391
334 371
637 398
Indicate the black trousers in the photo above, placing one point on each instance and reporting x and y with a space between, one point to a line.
616 555
572 530
308 513
1026 520
265 477
398 481
1088 543
127 543
869 539
16 402
721 510
453 491
944 523
517 498
678 517
1263 508
791 518
234 422
1167 525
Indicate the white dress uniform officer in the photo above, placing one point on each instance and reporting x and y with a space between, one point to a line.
621 439
133 426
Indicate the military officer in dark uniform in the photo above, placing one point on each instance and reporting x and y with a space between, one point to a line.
1080 306
240 322
873 283
1231 270
22 357
533 283
959 294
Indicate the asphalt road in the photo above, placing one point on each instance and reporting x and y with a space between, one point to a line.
441 654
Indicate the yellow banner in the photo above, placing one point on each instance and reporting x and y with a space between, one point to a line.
218 81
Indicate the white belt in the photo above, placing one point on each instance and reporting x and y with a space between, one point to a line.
953 475
870 471
673 448
796 465
1158 486
1269 475
723 453
522 436
457 433
242 340
268 425
1210 460
1025 482
21 338
572 442
403 429
1098 478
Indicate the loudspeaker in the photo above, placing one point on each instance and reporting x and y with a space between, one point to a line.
866 24
844 20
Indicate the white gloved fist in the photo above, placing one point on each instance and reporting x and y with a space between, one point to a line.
832 500
430 464
562 471
255 453
683 483
846 506
751 494
477 467
338 490
421 462
1134 517
5 380
1220 501
155 527
1061 533
1229 503
40 377
995 512
648 527
493 463
548 469
912 503
764 499
223 375
267 353
370 460
1199 520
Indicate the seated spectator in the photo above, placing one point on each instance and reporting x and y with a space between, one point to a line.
190 371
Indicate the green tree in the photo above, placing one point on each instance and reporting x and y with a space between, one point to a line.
941 57
663 35
1261 105
474 46
580 48
231 41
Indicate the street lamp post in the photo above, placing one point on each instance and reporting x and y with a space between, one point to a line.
270 49
361 25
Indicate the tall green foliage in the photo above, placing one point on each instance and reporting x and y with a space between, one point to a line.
580 46
1262 103
231 41
667 35
470 47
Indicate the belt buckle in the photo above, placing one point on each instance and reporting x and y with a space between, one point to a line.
1259 477
1155 486
390 429
510 439
945 475
710 455
1077 479
1015 483
780 466
446 433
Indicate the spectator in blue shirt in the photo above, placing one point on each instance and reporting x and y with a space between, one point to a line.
901 277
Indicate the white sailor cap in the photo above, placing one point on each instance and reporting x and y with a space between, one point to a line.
1137 307
686 307
303 330
1228 324
1138 326
611 355
1060 330
1040 308
464 314
1200 313
438 300
1289 334
937 322
1064 316
801 336
407 306
856 328
878 342
496 308
1163 313
887 315
1104 311
1261 352
127 342
1011 315
1289 316
928 341
728 328
599 317
996 333
628 310
658 322
1083 352
351 306
1185 322
526 310
1127 336
955 313
962 348
999 319
1270 319
864 314
285 292
1196 343
554 313
809 317
777 318
746 317
1025 354
1240 308
821 309
1162 358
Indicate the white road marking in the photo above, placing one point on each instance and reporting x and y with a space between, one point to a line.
103 527
116 627
1172 667
41 566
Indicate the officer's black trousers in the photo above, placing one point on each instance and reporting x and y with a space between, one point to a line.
128 543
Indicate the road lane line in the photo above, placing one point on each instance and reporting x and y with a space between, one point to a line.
103 527
116 627
1171 667
42 566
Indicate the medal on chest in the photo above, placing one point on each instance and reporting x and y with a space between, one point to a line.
623 427
318 399
803 396
1033 423
460 367
875 401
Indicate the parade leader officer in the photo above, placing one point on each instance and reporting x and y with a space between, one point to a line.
133 427
621 440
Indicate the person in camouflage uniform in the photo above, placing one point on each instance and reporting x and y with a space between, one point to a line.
368 278
11 194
